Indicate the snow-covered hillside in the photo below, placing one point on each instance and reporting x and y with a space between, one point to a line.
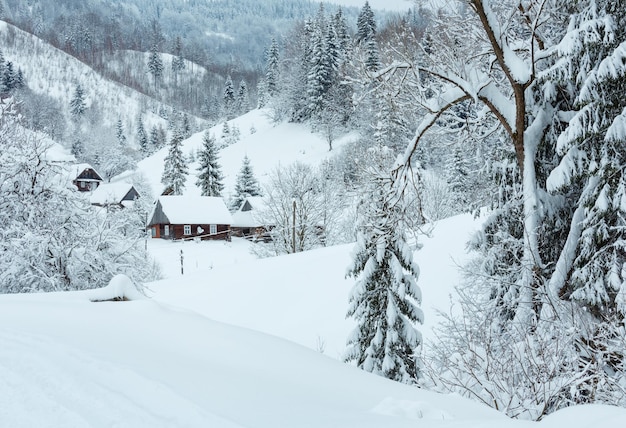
267 146
52 72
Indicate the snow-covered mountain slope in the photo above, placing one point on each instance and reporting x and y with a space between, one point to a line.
50 71
267 146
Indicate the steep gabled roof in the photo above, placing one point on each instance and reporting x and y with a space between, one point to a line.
190 210
250 213
113 193
81 169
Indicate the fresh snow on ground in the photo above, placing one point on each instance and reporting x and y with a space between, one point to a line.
232 341
197 353
301 297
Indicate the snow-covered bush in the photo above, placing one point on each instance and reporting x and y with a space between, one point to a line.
51 238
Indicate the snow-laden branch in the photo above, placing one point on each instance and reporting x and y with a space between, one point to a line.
515 68
500 105
450 98
568 254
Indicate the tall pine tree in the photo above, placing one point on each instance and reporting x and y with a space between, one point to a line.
175 167
272 71
209 170
178 63
229 99
142 138
77 103
155 64
385 298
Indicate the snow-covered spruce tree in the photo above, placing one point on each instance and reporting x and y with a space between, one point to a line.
458 177
272 69
178 63
185 125
242 103
227 138
155 64
246 185
319 76
209 170
77 103
142 138
366 24
9 77
385 298
119 134
342 33
158 138
229 102
591 269
175 167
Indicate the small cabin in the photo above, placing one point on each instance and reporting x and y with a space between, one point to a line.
114 195
86 178
190 217
250 221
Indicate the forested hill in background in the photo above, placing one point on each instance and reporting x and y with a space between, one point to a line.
225 36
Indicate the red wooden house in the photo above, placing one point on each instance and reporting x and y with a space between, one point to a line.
188 217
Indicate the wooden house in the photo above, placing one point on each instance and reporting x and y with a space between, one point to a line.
114 195
85 178
190 217
250 220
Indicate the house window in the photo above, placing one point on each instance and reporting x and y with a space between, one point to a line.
213 229
154 231
166 230
187 229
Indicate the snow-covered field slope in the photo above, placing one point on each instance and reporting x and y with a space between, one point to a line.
170 361
301 297
68 362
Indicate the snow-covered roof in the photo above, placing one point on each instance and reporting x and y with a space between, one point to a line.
110 193
80 167
192 210
246 219
77 169
252 216
257 203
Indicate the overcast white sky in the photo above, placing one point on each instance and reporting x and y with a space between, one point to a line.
400 5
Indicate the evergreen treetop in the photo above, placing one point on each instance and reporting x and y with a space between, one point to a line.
246 184
175 166
209 170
